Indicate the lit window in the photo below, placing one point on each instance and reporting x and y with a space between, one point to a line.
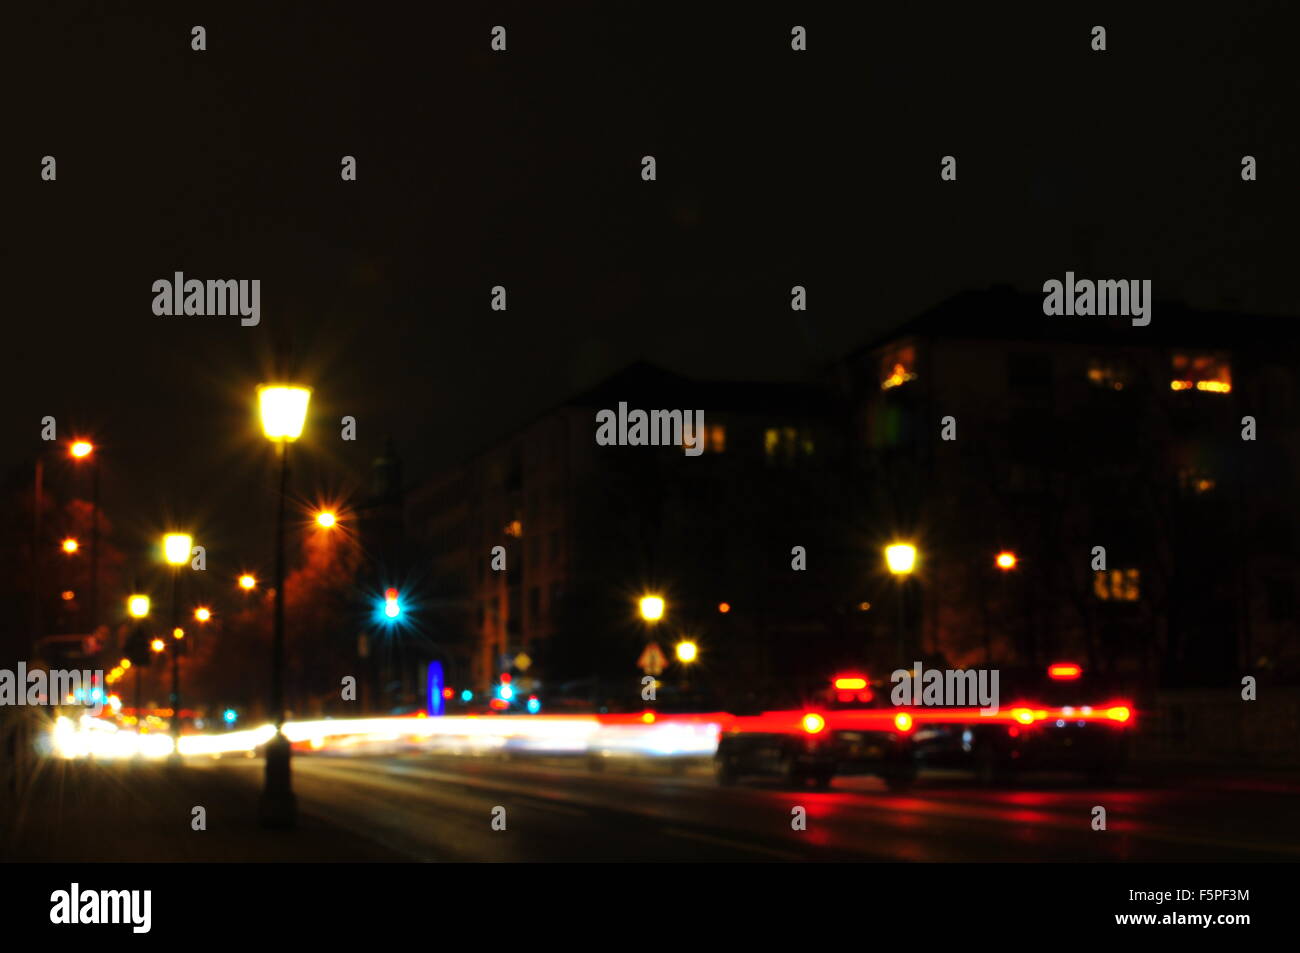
898 366
1211 373
784 444
1117 585
1108 375
715 438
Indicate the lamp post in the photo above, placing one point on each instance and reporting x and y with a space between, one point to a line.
901 560
283 410
137 606
176 550
80 450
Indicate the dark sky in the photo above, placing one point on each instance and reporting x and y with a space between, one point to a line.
478 168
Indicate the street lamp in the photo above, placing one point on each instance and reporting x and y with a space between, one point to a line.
687 652
80 450
652 608
1006 560
325 519
70 545
901 560
137 607
176 550
283 410
202 614
247 582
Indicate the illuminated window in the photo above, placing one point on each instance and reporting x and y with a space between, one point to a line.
785 444
1109 375
1117 585
1211 373
898 366
715 438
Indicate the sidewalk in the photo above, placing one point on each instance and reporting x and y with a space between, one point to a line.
85 811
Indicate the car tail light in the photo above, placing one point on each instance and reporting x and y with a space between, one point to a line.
1064 671
1120 713
903 722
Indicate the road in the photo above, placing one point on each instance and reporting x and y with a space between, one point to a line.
441 809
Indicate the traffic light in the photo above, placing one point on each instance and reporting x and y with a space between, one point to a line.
392 603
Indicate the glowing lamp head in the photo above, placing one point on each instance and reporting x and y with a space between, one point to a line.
178 633
903 721
176 548
325 519
70 545
900 558
724 607
813 723
247 582
81 449
686 652
1064 671
229 716
157 645
202 614
652 608
1006 561
137 606
283 408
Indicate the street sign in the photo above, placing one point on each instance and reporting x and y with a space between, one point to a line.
652 660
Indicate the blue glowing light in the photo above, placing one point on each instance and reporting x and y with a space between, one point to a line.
229 716
467 696
534 706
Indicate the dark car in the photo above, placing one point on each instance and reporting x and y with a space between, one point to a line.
1059 720
847 728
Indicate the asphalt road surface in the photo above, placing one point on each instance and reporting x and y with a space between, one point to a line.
442 809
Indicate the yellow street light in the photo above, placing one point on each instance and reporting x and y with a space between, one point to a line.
1006 560
124 664
652 608
247 582
202 614
81 448
70 545
138 606
178 633
325 519
157 645
176 548
901 558
284 410
686 652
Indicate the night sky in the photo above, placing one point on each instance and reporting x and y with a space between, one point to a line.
523 169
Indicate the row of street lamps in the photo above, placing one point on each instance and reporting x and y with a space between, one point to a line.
283 412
